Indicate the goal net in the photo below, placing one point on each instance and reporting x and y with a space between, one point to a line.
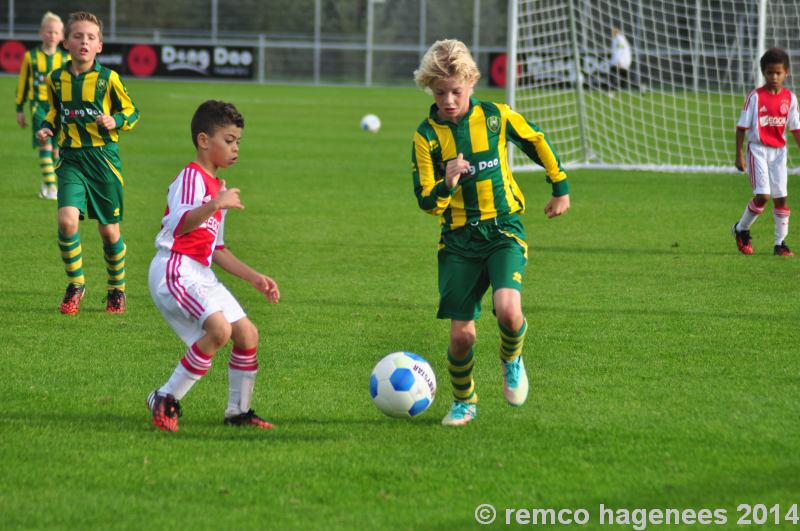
674 108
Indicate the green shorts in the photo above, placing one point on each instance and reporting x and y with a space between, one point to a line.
471 258
90 179
38 113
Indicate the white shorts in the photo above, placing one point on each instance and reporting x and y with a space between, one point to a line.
767 169
186 292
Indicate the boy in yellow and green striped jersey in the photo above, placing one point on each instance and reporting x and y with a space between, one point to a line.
88 107
32 86
461 173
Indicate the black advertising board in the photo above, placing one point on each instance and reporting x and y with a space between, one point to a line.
159 60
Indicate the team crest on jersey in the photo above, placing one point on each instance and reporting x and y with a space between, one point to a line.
493 122
101 85
784 108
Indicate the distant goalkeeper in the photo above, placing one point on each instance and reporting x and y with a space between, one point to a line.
768 110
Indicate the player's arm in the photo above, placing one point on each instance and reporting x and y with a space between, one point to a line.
534 143
195 217
49 126
740 165
224 258
24 88
433 194
122 114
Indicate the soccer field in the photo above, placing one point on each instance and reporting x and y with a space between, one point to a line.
664 364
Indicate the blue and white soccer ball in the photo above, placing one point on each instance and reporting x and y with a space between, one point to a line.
402 384
371 123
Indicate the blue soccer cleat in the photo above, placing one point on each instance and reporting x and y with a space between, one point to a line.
515 381
460 413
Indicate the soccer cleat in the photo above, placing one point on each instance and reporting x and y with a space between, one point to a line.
52 193
783 250
248 419
165 410
72 299
515 381
742 239
460 413
115 301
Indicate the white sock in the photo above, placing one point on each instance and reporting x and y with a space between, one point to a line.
179 383
781 216
750 215
241 391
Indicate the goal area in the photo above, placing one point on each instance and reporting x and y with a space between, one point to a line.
676 106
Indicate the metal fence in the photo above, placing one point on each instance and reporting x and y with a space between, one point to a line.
305 41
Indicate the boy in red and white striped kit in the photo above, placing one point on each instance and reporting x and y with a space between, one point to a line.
767 112
200 309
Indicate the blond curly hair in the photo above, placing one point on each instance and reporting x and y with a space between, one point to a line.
449 58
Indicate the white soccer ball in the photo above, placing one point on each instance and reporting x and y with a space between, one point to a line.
402 384
371 123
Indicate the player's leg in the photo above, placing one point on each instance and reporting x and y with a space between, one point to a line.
114 251
242 371
780 201
758 171
506 267
71 205
49 190
164 402
462 283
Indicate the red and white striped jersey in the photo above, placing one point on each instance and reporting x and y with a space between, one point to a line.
192 188
765 116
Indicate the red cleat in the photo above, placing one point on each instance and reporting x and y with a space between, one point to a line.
248 419
783 250
742 240
166 411
71 304
115 301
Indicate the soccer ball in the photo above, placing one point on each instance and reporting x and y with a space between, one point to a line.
370 123
402 384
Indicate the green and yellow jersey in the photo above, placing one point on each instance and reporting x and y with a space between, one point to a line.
488 190
32 82
77 101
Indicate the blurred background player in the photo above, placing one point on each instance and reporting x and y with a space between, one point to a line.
200 309
88 106
621 59
767 112
461 173
38 62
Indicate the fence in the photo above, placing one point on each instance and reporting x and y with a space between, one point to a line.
304 41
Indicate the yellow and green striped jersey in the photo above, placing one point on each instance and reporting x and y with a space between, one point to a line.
77 101
32 82
488 190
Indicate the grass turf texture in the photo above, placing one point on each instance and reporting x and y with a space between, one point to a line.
664 364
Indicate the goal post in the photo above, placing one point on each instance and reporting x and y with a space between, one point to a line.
676 105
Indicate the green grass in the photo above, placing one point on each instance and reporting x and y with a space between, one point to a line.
664 364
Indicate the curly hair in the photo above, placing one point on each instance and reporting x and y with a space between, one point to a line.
445 59
774 56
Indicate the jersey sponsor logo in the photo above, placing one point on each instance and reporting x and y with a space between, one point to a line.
493 122
775 121
211 224
484 165
206 199
75 113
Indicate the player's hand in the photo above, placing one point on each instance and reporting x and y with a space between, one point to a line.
740 161
106 121
557 206
228 198
43 134
268 287
455 168
21 119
